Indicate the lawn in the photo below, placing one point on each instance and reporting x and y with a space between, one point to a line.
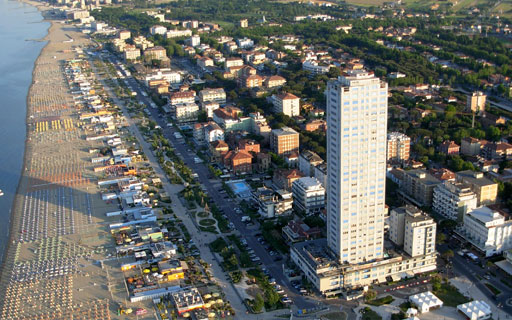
369 314
334 316
450 295
381 301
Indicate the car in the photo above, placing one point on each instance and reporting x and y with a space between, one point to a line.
487 277
286 300
272 281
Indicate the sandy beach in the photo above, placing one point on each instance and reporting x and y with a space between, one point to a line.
58 227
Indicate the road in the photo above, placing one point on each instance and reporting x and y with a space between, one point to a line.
228 207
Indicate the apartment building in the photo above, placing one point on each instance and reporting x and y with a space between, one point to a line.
217 95
308 195
308 160
485 189
418 187
399 147
286 103
452 200
476 102
272 203
284 141
488 230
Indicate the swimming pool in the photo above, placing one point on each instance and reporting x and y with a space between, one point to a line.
240 188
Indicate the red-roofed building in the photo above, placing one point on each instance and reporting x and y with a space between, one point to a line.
182 97
449 148
239 161
297 230
249 145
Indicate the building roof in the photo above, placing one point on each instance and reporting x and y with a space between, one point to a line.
476 178
217 144
311 156
426 300
284 131
475 309
425 177
287 96
183 94
276 78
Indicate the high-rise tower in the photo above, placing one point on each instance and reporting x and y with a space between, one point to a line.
356 166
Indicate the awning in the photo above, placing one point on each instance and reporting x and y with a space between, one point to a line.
395 277
381 279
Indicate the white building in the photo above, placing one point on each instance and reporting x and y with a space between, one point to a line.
286 103
212 132
487 230
356 165
308 160
157 30
217 95
308 195
413 229
178 33
475 310
245 43
209 107
194 41
184 112
426 301
314 67
164 74
453 200
353 255
398 147
233 62
272 203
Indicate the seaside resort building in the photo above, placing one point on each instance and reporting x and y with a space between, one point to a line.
353 255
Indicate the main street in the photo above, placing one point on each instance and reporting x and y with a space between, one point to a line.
212 186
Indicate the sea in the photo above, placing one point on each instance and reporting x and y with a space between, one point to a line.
20 27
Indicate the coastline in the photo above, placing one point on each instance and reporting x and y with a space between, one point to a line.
10 239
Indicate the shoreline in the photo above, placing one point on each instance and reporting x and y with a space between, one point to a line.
18 200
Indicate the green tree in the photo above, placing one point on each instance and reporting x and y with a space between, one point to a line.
272 297
258 303
370 295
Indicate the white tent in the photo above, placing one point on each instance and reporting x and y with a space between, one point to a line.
475 310
425 301
411 312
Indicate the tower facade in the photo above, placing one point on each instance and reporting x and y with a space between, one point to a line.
356 166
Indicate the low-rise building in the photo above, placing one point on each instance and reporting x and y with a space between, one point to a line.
178 33
485 189
233 62
181 97
209 107
449 148
205 62
315 68
249 145
489 230
273 82
217 95
308 195
496 151
284 178
213 132
272 203
238 161
131 53
286 103
297 230
185 112
217 149
157 30
470 146
155 53
308 160
453 200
